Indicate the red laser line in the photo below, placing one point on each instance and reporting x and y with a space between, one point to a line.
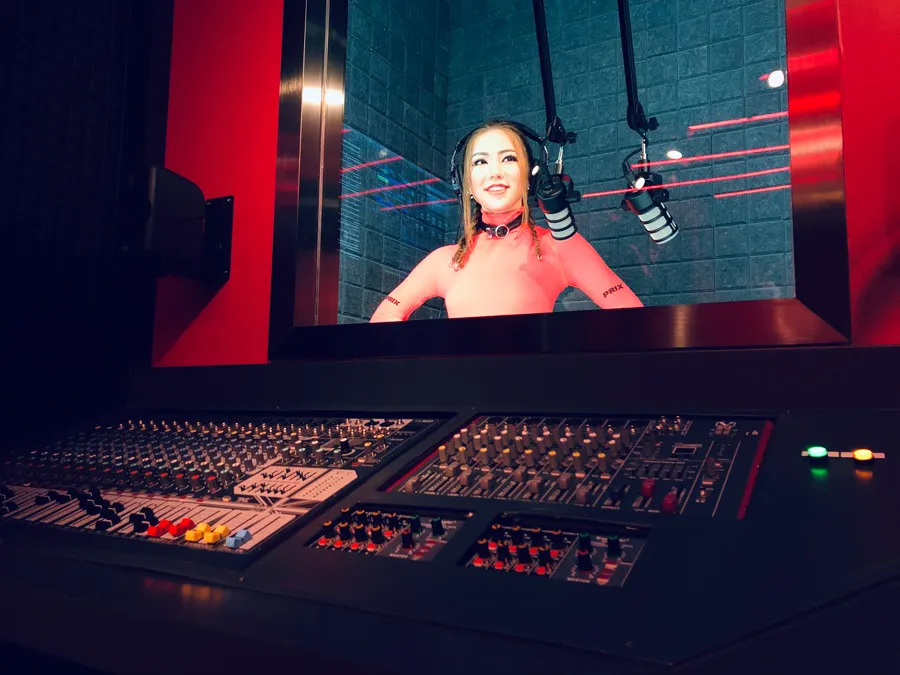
696 181
722 195
720 155
409 206
372 163
390 187
740 120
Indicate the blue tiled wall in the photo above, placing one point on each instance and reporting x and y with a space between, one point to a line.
382 238
396 104
697 61
421 74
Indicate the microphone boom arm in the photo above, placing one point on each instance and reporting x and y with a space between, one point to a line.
555 131
637 118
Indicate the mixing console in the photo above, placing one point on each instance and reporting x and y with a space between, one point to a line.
558 552
203 484
369 531
640 465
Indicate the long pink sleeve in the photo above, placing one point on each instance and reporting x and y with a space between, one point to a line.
420 285
585 269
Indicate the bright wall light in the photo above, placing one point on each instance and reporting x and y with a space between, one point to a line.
674 154
775 79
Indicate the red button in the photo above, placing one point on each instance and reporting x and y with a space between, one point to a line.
670 503
323 541
520 567
478 562
498 565
647 487
541 570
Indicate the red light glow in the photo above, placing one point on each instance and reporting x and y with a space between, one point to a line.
740 120
409 206
376 162
390 187
723 195
720 155
697 181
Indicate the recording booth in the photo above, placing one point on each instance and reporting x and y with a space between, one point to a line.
605 385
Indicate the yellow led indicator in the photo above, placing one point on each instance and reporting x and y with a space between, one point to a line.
863 455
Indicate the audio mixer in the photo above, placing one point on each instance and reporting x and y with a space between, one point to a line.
214 484
369 531
604 465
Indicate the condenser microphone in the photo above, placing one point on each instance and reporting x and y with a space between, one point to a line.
554 193
647 203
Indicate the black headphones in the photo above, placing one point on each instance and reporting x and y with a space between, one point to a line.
456 176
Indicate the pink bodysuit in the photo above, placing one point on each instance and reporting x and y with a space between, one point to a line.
504 276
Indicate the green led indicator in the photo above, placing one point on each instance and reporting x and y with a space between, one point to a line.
817 452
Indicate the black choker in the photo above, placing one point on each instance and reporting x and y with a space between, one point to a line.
500 231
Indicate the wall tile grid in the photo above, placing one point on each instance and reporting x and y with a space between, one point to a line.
396 104
696 60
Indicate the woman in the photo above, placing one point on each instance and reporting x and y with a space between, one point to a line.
504 263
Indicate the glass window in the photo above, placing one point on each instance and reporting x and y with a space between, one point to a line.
419 76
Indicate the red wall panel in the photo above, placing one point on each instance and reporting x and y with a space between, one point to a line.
222 134
870 31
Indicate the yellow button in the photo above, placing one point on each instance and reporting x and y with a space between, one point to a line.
863 455
193 535
202 527
222 531
211 537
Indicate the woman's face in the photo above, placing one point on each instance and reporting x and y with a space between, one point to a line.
495 172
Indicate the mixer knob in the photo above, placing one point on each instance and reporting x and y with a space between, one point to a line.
286 454
613 546
583 558
577 461
483 457
601 462
406 538
647 488
503 551
616 493
437 527
584 542
415 524
377 535
516 535
303 455
359 532
537 538
345 446
670 502
179 481
344 531
482 548
529 457
359 516
328 529
392 520
165 481
442 454
212 483
196 483
544 555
